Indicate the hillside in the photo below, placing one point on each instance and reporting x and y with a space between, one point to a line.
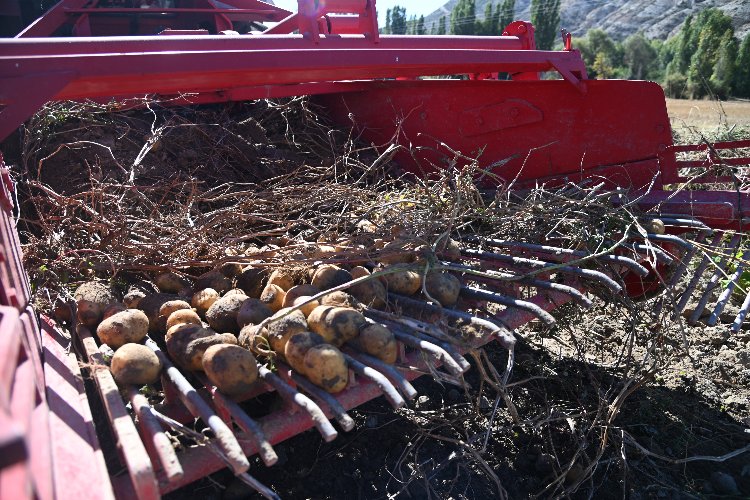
621 18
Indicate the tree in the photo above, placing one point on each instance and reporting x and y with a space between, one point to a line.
711 26
398 20
742 75
420 30
545 16
463 18
506 13
441 26
598 46
387 29
723 76
639 56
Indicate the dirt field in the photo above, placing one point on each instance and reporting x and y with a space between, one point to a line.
708 116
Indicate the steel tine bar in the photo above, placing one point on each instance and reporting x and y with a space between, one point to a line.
680 270
339 413
688 223
155 439
501 333
244 422
447 347
513 262
731 248
727 293
411 324
737 324
199 408
296 398
698 274
489 277
385 386
504 300
433 350
558 251
661 255
670 238
403 385
262 489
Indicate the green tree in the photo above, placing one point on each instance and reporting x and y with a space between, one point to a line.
545 16
723 76
506 13
441 30
398 20
742 75
420 30
639 57
387 29
600 52
710 28
463 18
484 27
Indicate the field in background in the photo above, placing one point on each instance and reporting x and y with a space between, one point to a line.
708 117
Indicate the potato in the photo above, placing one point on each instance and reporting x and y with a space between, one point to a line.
297 346
280 330
252 311
251 338
252 281
183 316
133 298
448 248
328 276
230 269
166 309
655 226
404 282
281 278
175 328
135 364
378 341
186 345
326 367
307 308
150 305
336 325
92 298
397 252
113 309
371 293
222 315
232 369
299 291
171 283
340 299
443 287
203 299
215 280
273 296
123 327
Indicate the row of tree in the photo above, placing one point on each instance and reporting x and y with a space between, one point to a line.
704 59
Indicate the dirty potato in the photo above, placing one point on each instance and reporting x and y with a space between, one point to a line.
403 281
371 293
336 325
297 346
135 364
123 327
282 278
171 283
252 311
151 304
187 345
222 315
252 280
202 300
329 276
273 296
182 316
443 287
92 298
378 341
215 280
281 329
326 367
299 291
232 369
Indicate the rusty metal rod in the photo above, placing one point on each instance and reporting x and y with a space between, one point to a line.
670 238
474 293
296 398
155 438
516 262
687 223
244 422
679 271
404 386
199 408
737 324
713 282
433 350
339 413
698 273
727 293
389 391
657 251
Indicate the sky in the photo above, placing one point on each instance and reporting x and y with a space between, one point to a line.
417 8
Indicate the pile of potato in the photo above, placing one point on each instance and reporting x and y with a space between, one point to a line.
221 321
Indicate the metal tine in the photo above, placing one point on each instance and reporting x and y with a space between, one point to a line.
698 273
489 277
501 333
670 238
641 248
158 442
555 251
727 293
731 248
296 398
514 262
411 324
388 390
680 270
402 384
737 324
262 489
339 413
474 293
244 422
446 346
687 223
433 350
200 409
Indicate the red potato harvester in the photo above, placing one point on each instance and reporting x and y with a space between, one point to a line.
570 128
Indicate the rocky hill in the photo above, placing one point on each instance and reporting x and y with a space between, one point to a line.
621 18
